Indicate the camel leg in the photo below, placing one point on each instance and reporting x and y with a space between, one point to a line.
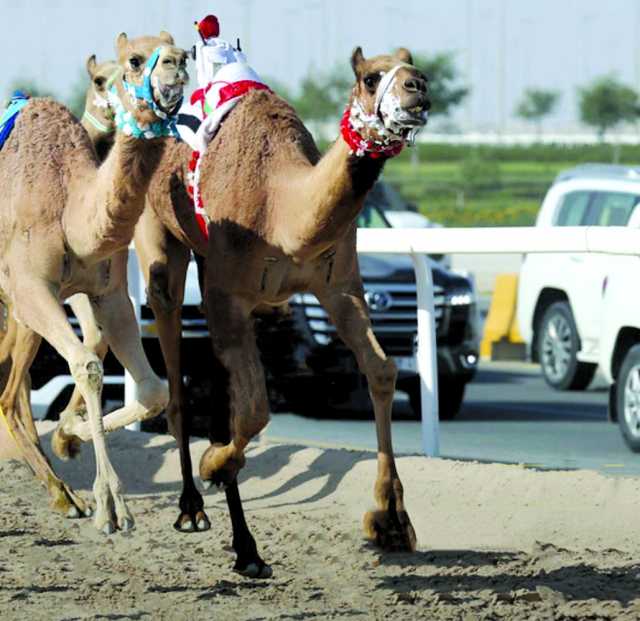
389 526
16 409
115 315
164 263
91 337
248 561
234 344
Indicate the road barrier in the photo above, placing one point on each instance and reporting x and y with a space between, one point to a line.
418 243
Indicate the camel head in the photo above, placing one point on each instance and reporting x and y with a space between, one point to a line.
98 115
153 78
389 103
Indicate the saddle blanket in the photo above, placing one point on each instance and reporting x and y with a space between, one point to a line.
18 101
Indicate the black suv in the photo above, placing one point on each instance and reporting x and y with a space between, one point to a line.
307 366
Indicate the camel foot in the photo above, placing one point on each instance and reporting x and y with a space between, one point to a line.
65 501
192 517
192 523
391 530
111 511
219 466
67 445
255 570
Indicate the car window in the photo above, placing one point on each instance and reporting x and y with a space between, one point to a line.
612 208
371 218
573 209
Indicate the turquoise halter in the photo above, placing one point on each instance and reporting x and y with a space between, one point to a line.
125 121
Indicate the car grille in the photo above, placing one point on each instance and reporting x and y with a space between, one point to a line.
393 314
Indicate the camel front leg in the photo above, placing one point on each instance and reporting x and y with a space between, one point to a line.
115 315
389 526
92 338
15 409
39 309
234 344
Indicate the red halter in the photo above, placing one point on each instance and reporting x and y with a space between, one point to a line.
361 146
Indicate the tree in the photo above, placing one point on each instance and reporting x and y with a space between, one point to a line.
443 87
606 102
536 103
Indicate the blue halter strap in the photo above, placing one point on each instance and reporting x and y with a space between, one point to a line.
125 121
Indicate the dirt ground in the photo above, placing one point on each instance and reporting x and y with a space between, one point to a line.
495 542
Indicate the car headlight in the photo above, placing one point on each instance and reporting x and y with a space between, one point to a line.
461 297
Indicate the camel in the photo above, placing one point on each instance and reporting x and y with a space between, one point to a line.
64 223
282 220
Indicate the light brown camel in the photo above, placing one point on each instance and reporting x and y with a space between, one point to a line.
282 220
64 222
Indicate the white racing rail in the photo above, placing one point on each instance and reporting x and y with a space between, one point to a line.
419 243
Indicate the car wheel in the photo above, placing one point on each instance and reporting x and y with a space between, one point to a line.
628 398
450 396
557 344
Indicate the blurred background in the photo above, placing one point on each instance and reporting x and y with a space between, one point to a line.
520 90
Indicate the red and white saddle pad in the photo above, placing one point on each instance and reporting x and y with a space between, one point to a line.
209 106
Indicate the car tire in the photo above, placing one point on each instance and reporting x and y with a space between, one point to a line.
557 347
450 396
628 398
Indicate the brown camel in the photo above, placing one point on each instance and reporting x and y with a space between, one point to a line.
64 222
282 220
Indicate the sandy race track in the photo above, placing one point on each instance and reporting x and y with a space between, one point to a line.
495 542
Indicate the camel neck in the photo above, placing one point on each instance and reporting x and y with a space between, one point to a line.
105 206
334 191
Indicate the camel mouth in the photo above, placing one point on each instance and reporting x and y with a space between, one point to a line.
167 96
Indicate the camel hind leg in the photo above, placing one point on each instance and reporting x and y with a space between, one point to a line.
16 412
164 262
389 526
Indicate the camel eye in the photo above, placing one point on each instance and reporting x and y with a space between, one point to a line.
134 61
99 82
370 81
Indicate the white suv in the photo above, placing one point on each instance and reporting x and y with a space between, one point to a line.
560 296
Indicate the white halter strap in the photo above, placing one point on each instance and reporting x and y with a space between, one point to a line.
385 83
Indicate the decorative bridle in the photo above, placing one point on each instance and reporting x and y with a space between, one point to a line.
125 121
355 119
103 103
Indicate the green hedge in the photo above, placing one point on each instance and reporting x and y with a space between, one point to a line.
574 154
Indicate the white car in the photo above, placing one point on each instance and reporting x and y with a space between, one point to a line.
620 348
561 296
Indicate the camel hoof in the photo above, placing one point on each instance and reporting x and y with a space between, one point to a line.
390 530
126 525
108 529
203 524
253 570
73 512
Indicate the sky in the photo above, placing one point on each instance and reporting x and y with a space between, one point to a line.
501 47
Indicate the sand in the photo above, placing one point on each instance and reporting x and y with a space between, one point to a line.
495 542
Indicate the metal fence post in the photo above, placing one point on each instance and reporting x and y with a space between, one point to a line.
135 293
427 359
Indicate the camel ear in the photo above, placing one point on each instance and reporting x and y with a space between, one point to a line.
121 42
91 65
404 55
166 37
357 58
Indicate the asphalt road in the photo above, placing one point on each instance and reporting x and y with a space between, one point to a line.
509 415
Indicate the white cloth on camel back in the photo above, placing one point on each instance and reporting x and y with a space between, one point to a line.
200 129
